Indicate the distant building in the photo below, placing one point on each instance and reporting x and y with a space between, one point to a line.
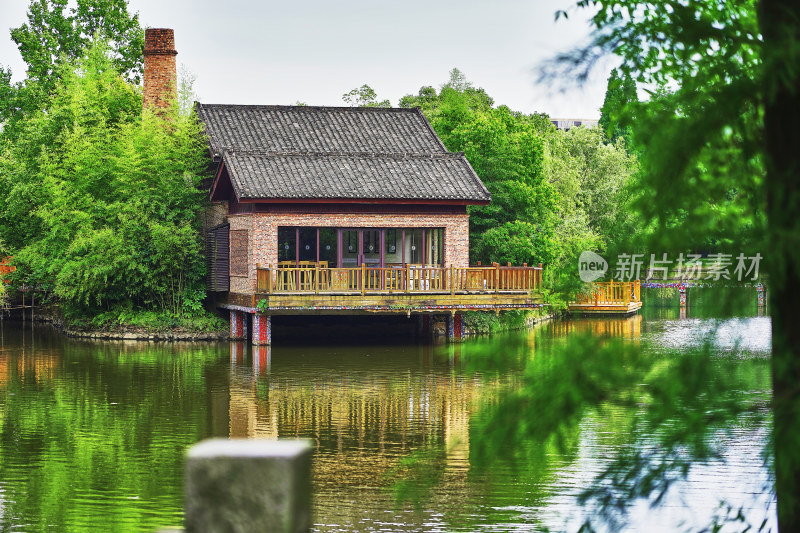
567 123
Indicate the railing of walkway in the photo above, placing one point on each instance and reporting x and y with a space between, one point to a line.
612 292
407 279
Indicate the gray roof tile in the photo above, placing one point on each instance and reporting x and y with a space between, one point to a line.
336 153
317 129
361 176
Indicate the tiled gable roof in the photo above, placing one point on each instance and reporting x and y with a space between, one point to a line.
354 176
295 153
317 129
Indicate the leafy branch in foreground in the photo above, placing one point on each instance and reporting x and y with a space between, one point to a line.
720 153
679 405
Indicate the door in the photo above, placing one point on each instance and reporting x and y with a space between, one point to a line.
362 247
351 249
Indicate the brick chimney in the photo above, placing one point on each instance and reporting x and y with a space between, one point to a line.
160 74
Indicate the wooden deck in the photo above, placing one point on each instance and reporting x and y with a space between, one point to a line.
609 298
392 290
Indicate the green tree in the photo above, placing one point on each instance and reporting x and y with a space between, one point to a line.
619 100
100 202
364 96
595 181
55 33
720 154
507 151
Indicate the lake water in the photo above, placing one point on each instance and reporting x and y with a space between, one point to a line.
93 434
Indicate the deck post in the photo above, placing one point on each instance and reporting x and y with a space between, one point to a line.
262 329
248 485
237 325
363 278
452 279
497 277
682 291
269 278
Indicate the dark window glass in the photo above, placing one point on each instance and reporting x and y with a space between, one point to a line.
327 246
392 247
308 244
414 246
286 244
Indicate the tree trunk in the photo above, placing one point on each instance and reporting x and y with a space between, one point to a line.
780 26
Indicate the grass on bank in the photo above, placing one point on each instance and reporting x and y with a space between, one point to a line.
148 320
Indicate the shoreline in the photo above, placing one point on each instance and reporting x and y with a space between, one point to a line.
140 334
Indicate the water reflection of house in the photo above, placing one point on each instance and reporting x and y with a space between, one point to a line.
354 413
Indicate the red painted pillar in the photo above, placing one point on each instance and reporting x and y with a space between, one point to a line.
455 327
262 330
237 324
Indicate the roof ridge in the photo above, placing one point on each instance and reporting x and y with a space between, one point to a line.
310 107
306 153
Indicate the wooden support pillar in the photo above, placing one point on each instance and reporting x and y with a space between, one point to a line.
262 330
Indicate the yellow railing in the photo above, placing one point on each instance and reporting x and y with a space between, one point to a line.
407 279
612 292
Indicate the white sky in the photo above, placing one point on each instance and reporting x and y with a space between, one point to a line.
281 52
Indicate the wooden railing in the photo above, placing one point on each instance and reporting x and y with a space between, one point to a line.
612 292
407 279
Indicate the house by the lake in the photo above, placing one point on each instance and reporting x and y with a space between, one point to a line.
339 210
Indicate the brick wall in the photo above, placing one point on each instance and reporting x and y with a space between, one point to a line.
160 75
263 228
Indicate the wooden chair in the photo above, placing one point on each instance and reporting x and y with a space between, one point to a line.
324 276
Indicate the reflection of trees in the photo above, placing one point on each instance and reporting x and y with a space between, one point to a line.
98 430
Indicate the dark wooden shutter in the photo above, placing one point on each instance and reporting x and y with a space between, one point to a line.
217 252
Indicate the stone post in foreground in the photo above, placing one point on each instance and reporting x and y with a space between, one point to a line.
249 485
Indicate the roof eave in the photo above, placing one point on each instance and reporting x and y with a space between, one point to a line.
393 201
